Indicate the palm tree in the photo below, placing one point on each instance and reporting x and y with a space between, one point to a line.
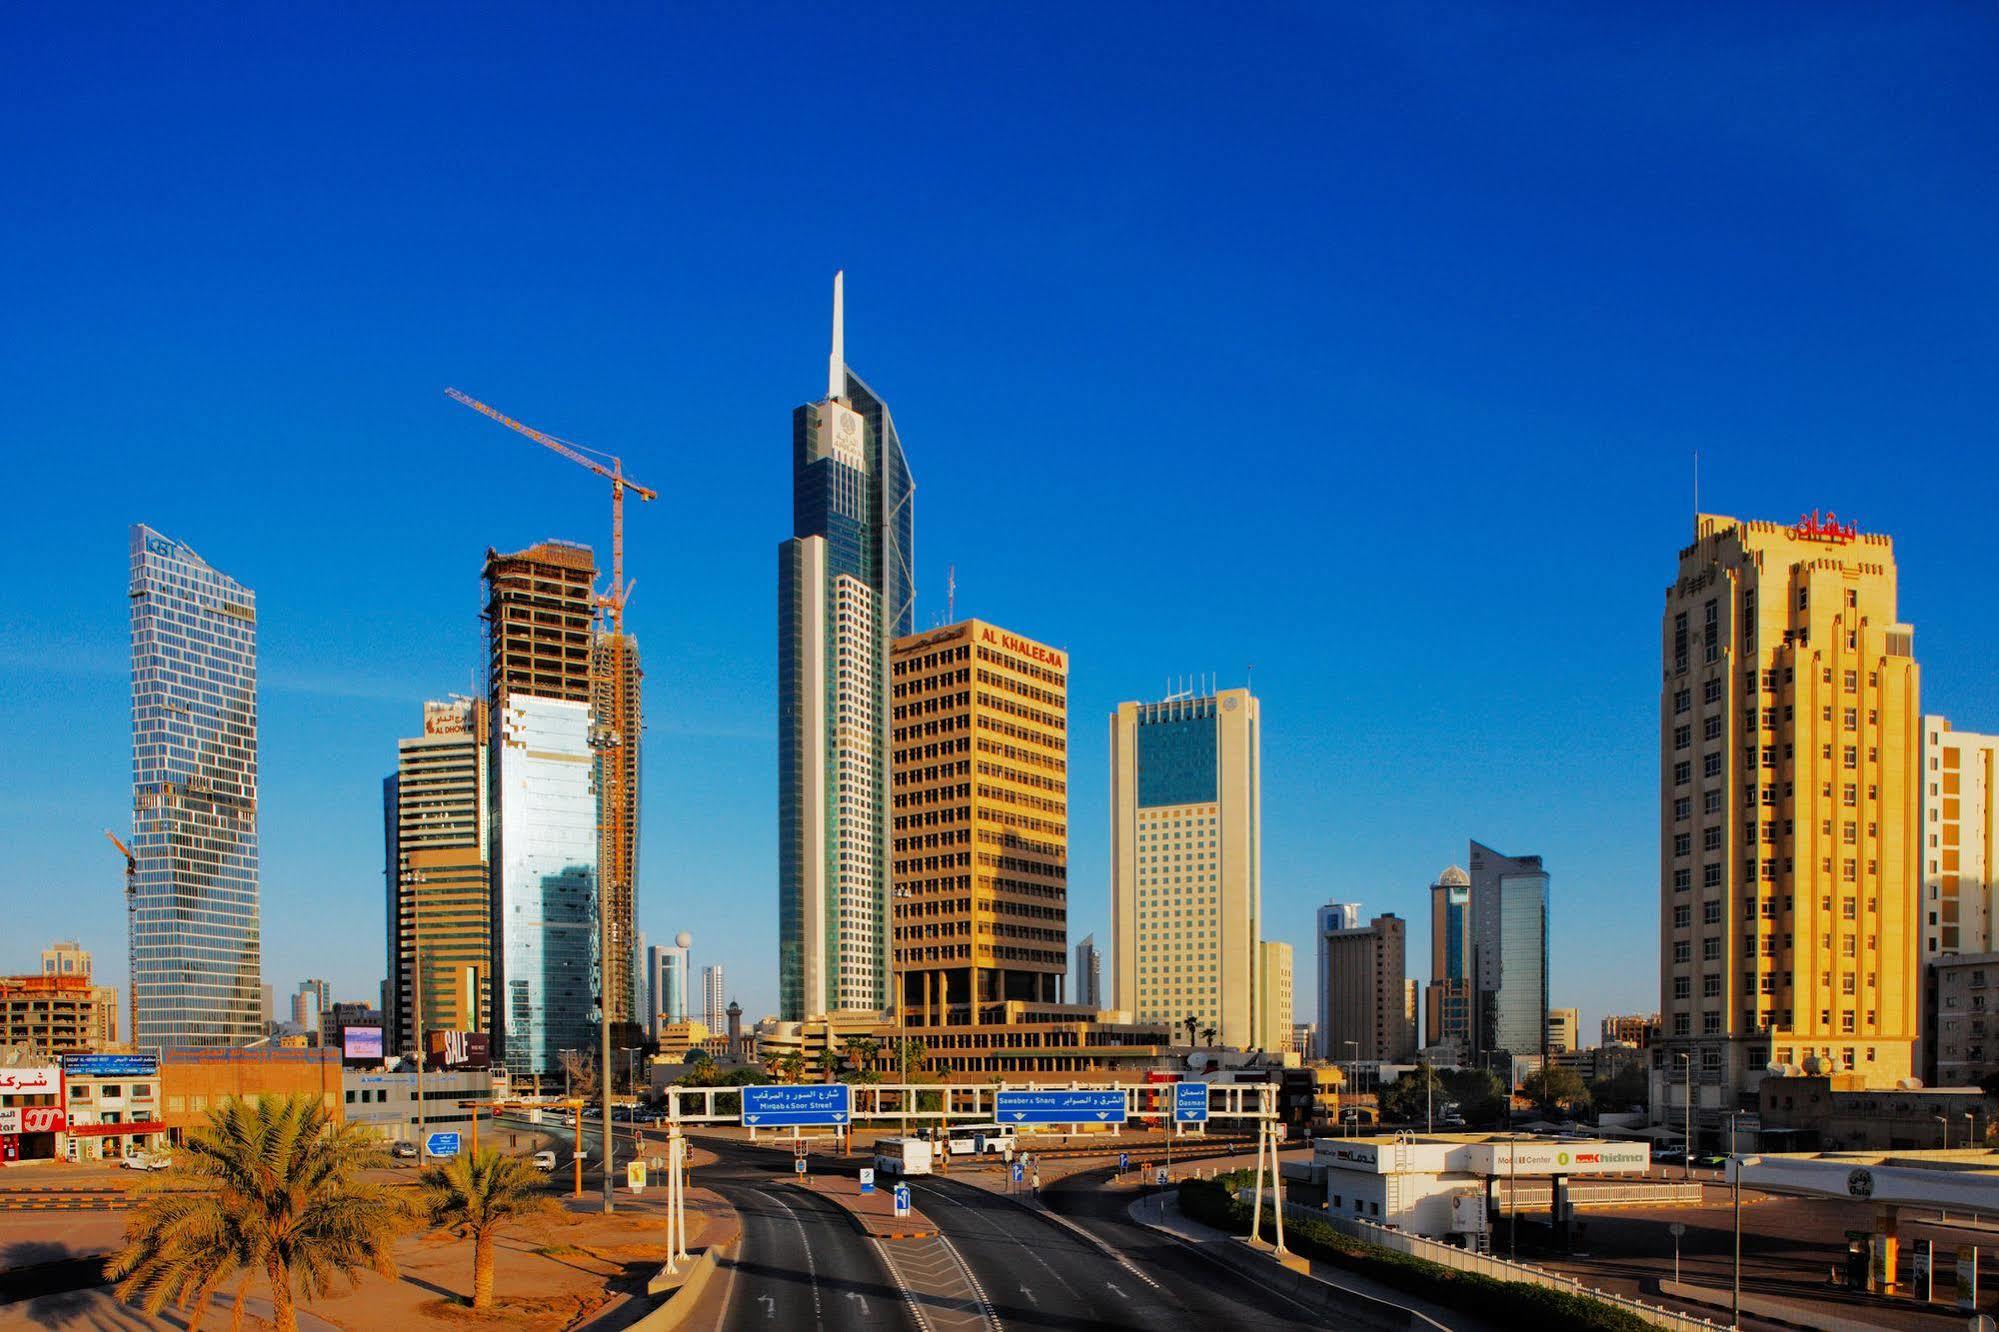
1192 1024
1208 1034
476 1195
861 1052
268 1187
792 1065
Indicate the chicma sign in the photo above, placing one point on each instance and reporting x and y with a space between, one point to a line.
1559 1158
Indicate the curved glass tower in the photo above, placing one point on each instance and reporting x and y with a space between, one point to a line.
197 957
846 590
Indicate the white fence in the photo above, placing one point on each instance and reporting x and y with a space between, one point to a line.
1463 1260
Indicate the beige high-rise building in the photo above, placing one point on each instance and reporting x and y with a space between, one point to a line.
979 744
440 884
1564 1030
1369 999
1187 863
1275 1005
1790 743
1960 830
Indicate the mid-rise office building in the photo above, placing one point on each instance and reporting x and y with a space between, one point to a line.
1274 974
1447 1017
1305 1039
1509 910
1790 745
1331 917
714 997
1366 1001
846 591
979 789
1089 973
1187 862
67 957
666 969
196 951
440 887
1961 1018
311 1002
1564 1030
1960 829
544 805
1634 1029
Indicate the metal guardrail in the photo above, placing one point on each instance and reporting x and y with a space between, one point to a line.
1500 1269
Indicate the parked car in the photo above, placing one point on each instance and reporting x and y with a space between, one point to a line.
1711 1160
1670 1156
403 1151
544 1161
147 1161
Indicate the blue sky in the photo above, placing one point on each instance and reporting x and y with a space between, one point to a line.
1369 345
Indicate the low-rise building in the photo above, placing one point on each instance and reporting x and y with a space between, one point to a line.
1631 1029
114 1106
387 1102
31 1111
1441 1184
1840 1112
196 1081
1960 1019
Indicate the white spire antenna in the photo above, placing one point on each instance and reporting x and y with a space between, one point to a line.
836 364
951 596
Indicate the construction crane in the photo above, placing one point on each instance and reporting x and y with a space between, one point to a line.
620 593
131 911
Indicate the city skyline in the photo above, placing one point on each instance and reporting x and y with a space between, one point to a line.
1379 760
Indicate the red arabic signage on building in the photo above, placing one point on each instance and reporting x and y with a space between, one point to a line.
30 1081
31 1119
1033 651
1812 527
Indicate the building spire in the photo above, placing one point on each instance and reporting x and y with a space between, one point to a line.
836 364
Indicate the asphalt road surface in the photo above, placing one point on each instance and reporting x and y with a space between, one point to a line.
1037 1272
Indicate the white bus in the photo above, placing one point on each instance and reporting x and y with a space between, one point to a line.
902 1156
975 1139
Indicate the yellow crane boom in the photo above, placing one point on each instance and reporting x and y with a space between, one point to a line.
615 473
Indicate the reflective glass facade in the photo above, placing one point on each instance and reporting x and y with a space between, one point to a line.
1510 925
1176 753
195 947
845 591
545 858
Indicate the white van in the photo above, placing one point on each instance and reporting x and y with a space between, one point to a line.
903 1156
544 1161
976 1139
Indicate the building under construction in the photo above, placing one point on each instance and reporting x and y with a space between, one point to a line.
615 703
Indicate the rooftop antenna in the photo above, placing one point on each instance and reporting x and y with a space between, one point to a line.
1249 686
1697 488
836 364
951 596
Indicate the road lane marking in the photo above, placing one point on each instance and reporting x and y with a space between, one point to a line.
811 1266
1003 1233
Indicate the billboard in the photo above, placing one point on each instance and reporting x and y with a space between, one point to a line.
457 1050
111 1065
361 1045
31 1119
33 1080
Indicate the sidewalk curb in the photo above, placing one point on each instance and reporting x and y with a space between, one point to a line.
854 1220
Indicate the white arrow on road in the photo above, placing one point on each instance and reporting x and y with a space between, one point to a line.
1030 1295
856 1295
1115 1291
770 1306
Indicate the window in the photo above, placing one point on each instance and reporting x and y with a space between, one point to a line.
1683 951
1711 765
1682 987
1710 987
1711 839
1683 773
1681 1024
1711 875
1680 641
1711 728
1683 916
1683 843
1683 879
1683 737
1710 913
1711 691
1683 809
1711 949
1683 699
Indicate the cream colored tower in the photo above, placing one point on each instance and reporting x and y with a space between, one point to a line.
1960 830
1187 863
1275 1005
1790 738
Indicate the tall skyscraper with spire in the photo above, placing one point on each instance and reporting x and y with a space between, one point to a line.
846 590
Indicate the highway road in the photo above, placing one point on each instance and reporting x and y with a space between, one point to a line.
801 1262
1035 1271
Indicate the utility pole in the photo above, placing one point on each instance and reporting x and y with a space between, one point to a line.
1735 1171
411 879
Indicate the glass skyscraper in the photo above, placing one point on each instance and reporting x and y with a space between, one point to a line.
846 590
1509 905
197 959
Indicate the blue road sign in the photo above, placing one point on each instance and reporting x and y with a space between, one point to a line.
1093 1106
867 1179
1123 1162
902 1200
1018 1171
1190 1102
441 1144
774 1105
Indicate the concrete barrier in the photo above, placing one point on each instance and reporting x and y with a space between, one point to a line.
679 1300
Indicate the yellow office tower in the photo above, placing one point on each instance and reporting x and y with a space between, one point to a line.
1790 743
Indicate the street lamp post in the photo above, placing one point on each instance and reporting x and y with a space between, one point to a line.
1943 1120
1735 1173
1687 1091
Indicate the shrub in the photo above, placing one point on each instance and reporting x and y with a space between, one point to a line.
1512 1303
